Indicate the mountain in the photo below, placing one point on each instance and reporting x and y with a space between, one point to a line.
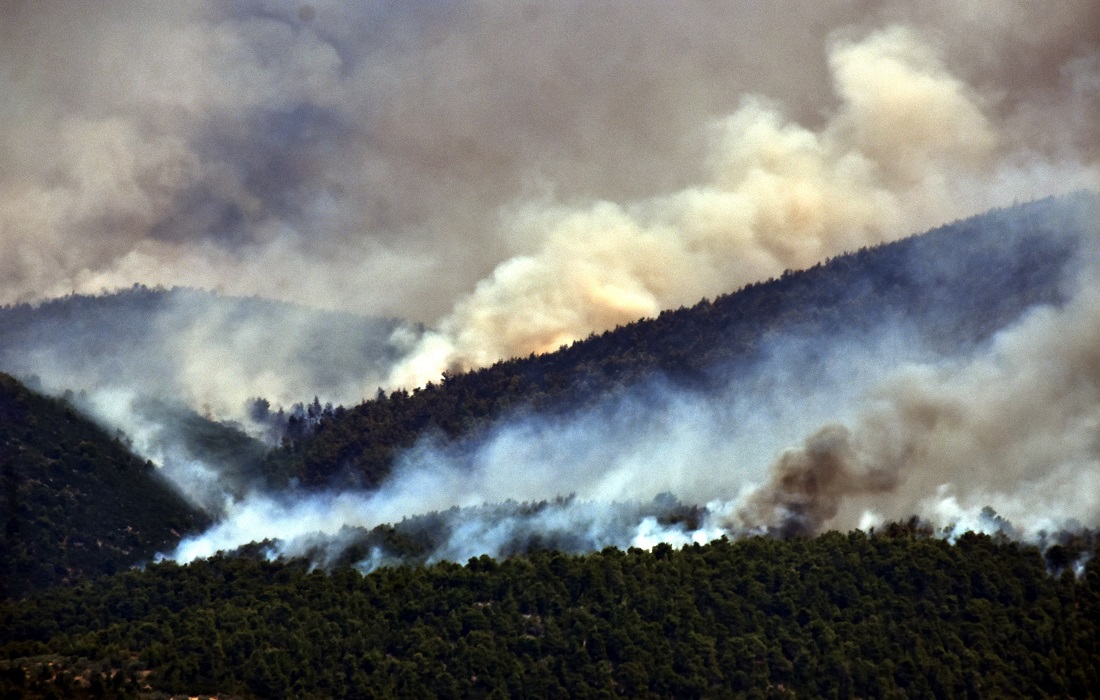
899 610
76 502
211 351
949 289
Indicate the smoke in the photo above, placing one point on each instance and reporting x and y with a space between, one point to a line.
519 175
210 352
872 427
1015 427
163 365
907 138
611 461
555 167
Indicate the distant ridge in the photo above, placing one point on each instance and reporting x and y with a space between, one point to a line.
147 340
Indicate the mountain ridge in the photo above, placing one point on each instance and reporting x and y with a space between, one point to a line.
1001 263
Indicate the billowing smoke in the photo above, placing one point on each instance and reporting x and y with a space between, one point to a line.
779 196
876 429
557 167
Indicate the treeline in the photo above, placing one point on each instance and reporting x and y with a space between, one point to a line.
952 288
888 615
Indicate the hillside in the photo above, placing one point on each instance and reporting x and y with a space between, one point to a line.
950 289
76 502
889 615
185 344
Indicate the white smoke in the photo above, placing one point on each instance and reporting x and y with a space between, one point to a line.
873 432
908 145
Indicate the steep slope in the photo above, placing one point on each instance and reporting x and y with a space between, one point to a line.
76 503
949 289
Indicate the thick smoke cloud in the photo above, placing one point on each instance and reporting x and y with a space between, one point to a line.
556 167
779 196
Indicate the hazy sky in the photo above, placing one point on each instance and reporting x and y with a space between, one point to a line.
517 174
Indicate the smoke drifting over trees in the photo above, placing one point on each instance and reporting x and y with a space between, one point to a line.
875 425
518 176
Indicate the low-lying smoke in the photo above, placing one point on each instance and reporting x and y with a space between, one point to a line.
874 429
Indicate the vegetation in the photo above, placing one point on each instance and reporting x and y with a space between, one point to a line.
952 287
889 615
76 502
897 613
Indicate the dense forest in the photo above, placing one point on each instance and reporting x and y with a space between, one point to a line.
76 501
950 288
893 614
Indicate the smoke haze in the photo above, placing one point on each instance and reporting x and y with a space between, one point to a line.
875 429
518 175
556 168
211 352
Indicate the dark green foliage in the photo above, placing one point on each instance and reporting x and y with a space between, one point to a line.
76 503
188 435
952 288
835 616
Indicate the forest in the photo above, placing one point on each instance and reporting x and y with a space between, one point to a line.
90 608
77 502
895 613
952 288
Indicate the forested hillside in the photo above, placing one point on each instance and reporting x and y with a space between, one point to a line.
895 614
76 502
950 288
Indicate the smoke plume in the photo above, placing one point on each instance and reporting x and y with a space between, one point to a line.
874 427
556 167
